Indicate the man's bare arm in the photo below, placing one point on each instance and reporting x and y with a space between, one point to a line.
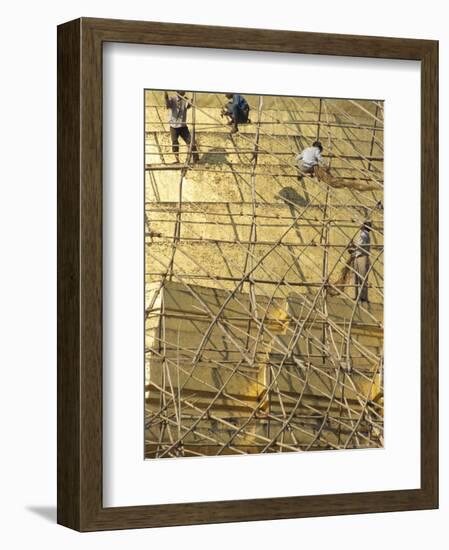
167 100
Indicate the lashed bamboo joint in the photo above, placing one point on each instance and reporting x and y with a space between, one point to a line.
254 341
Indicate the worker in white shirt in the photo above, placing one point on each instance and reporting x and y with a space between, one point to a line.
178 106
310 157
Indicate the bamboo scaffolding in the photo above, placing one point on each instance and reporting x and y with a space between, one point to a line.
273 419
275 139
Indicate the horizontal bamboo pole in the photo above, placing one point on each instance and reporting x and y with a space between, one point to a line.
287 123
211 152
272 205
257 242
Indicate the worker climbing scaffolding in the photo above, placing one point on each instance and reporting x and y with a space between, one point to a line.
360 251
357 266
178 105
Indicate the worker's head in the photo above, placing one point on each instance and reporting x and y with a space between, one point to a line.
229 96
367 225
182 93
317 144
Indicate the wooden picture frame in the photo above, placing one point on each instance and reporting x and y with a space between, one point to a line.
80 351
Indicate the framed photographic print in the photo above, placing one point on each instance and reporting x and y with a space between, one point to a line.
247 289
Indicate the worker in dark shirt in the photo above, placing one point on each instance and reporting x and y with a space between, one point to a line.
237 110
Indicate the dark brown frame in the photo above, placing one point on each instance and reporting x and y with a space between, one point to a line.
80 274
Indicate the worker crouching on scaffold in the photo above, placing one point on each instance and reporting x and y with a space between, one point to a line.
237 110
178 106
310 159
